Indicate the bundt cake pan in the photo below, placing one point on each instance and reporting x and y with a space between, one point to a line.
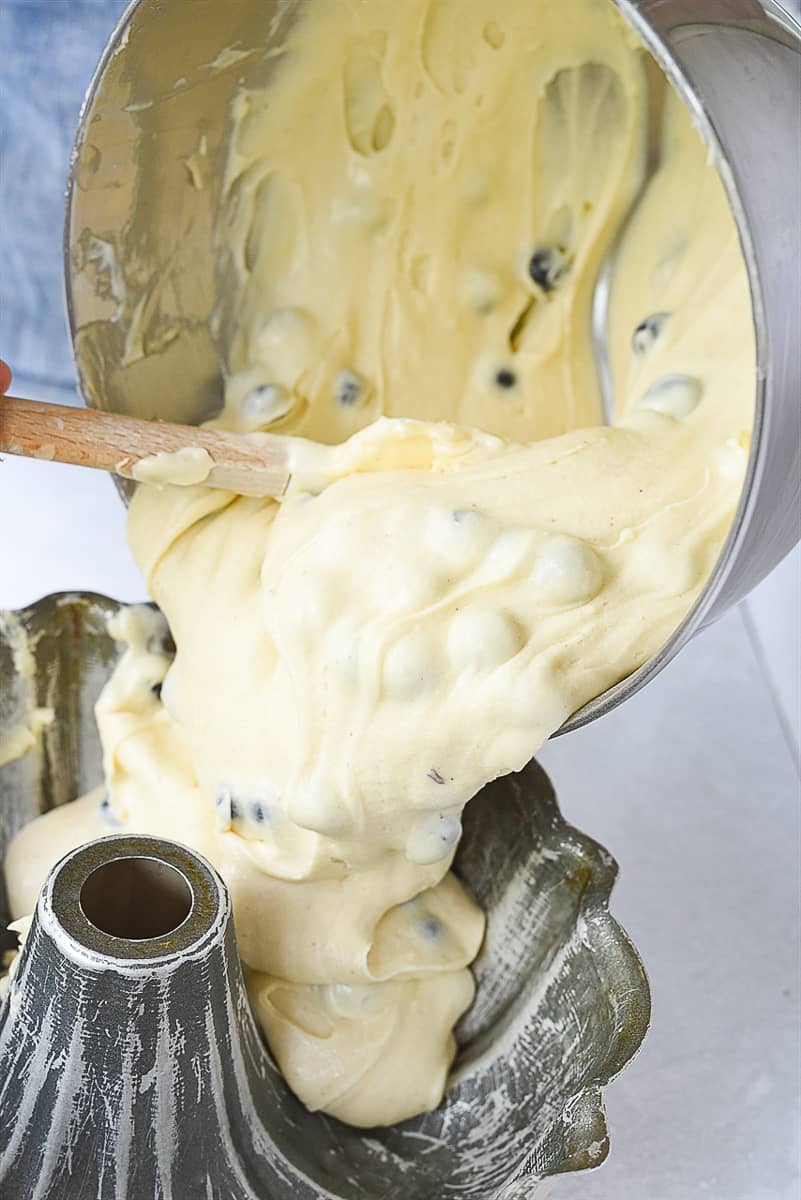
130 1064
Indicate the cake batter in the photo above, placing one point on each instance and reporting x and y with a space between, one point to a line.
415 213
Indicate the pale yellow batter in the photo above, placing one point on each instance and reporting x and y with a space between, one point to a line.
416 212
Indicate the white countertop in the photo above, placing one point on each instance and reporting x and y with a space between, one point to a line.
693 788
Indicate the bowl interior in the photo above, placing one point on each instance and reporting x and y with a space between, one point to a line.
142 269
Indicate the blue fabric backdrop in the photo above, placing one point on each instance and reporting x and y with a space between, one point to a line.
49 50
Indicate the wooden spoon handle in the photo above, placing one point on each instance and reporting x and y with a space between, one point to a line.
130 447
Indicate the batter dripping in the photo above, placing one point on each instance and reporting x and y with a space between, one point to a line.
415 213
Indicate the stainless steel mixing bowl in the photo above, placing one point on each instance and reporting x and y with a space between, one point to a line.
145 183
